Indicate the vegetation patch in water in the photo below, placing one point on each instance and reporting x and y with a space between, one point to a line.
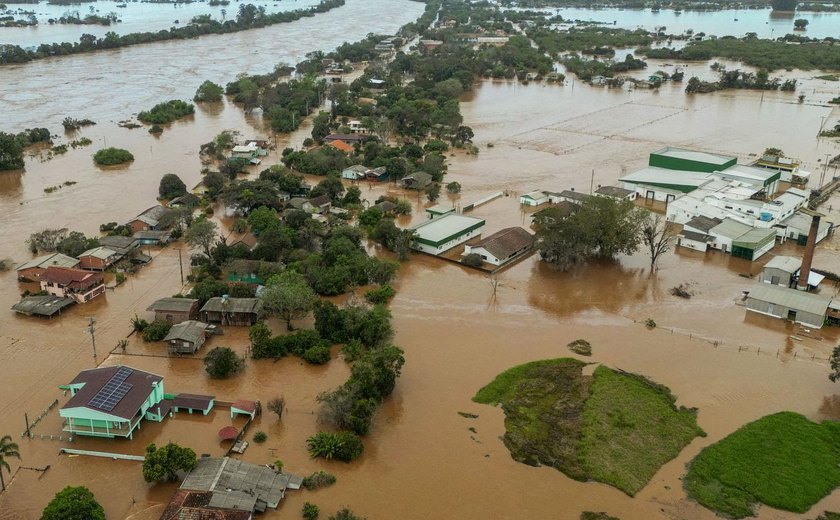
166 112
111 156
612 427
782 460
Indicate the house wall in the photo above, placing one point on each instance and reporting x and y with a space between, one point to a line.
653 192
779 311
138 225
782 278
436 250
692 244
93 263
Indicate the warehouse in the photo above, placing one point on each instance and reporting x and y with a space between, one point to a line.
788 304
441 234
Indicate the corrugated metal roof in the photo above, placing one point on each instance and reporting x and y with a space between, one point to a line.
693 155
756 235
730 229
787 264
655 175
442 227
56 259
790 298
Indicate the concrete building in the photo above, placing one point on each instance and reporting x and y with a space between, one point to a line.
111 401
569 196
502 246
64 282
781 271
439 210
789 304
533 198
441 234
754 243
32 270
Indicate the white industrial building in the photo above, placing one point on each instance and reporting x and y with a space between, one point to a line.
438 235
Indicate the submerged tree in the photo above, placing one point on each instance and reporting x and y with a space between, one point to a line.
8 449
659 236
289 296
73 503
202 233
163 464
11 152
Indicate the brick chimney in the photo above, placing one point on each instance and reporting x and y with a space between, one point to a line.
808 257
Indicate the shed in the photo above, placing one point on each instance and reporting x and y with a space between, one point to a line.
355 172
614 192
186 337
153 237
174 310
439 210
244 407
754 243
533 198
232 311
193 403
44 306
502 246
781 271
379 174
789 304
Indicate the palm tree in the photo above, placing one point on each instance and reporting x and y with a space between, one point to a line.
7 449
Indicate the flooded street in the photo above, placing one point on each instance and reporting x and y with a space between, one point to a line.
420 460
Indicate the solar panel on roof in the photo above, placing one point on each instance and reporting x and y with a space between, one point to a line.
113 392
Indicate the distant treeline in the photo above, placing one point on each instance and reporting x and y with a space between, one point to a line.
248 17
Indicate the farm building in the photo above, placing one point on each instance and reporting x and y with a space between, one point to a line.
111 401
502 246
788 304
443 233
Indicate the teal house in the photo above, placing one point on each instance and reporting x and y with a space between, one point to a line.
112 401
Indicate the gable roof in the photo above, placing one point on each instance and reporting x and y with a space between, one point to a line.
613 191
152 215
248 240
52 259
341 145
574 195
787 264
69 277
703 223
358 168
219 304
194 401
419 176
101 252
320 200
173 304
189 330
506 242
790 298
118 243
188 199
142 383
187 504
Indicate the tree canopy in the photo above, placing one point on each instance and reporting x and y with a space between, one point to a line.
171 186
208 92
73 503
222 362
163 464
289 296
11 152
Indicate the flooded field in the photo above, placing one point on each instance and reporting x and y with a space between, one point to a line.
134 17
420 461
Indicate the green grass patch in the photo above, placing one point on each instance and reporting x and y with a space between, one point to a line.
612 427
631 427
782 460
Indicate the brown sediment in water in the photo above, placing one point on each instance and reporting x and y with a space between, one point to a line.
421 461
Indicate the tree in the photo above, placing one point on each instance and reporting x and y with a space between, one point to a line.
8 449
659 235
171 186
800 24
73 503
433 192
834 360
112 156
289 296
346 514
464 134
784 5
202 233
453 187
321 126
208 92
11 152
215 182
222 362
162 465
278 406
263 219
47 240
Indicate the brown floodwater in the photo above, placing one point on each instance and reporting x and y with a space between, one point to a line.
421 461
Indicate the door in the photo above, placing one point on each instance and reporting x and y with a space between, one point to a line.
669 199
792 315
649 195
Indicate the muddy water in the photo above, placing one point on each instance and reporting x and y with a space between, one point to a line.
115 84
134 17
421 461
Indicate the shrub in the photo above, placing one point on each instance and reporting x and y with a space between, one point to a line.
120 278
318 480
138 323
166 112
345 514
208 92
111 156
380 295
580 346
222 362
473 260
156 330
317 355
649 323
156 129
260 437
344 446
453 187
310 511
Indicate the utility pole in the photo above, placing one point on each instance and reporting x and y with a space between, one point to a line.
592 181
181 266
91 329
825 169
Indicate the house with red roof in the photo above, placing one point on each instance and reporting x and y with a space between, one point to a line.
68 282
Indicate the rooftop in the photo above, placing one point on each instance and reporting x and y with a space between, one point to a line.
238 305
69 277
790 298
756 235
613 191
101 252
438 229
655 175
41 305
536 194
342 145
194 505
118 243
189 330
193 401
787 264
731 229
320 200
56 259
693 155
117 390
749 172
440 209
702 223
697 237
506 242
173 304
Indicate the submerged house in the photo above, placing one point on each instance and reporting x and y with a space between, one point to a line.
232 311
418 180
99 258
65 282
148 220
111 401
355 172
188 505
174 310
186 337
32 270
437 235
533 198
502 246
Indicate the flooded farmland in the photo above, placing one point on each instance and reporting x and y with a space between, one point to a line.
420 461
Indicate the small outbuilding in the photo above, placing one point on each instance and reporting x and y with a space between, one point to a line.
45 306
193 403
533 198
439 210
186 337
98 258
355 172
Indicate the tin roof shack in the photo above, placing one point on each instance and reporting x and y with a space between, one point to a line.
65 282
195 505
355 172
418 180
111 401
174 310
32 270
148 220
44 306
186 337
98 258
502 246
441 234
533 198
788 304
242 312
239 485
754 243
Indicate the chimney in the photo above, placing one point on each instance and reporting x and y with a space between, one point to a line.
808 257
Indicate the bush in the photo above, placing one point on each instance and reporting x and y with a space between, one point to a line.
111 156
343 446
156 129
453 187
222 362
208 92
156 331
120 278
345 514
317 355
310 511
580 346
473 260
380 295
166 112
260 437
319 479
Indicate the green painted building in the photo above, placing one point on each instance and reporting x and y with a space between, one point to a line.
690 160
754 243
112 401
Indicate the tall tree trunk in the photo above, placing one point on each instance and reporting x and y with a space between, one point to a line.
2 482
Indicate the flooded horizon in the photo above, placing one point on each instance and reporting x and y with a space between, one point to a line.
422 459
